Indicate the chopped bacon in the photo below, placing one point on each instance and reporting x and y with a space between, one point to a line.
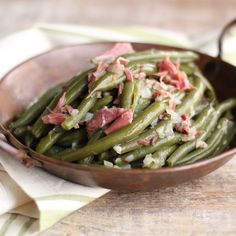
129 74
54 118
140 75
122 61
117 50
199 133
185 117
125 119
60 113
172 105
120 90
144 142
60 104
102 118
69 109
100 71
170 73
162 94
154 140
184 126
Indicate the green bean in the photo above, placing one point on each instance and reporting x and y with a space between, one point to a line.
158 55
110 80
189 102
29 140
226 140
136 94
143 103
54 150
193 98
212 143
143 151
124 134
203 120
50 139
159 157
35 110
94 138
102 102
83 108
71 93
72 136
179 155
20 131
127 94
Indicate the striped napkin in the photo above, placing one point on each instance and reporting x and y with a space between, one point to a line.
32 200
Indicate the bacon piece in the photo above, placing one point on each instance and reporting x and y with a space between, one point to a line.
122 61
61 103
199 133
140 75
144 142
120 90
154 140
117 50
129 74
125 119
69 109
100 71
54 118
184 126
170 73
102 118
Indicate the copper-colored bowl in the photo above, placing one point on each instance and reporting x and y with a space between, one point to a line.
27 81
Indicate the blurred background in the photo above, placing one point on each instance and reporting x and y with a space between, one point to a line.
186 16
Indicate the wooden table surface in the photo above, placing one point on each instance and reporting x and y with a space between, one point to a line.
206 206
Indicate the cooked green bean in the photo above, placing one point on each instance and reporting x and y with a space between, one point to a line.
167 113
212 143
127 94
143 103
73 136
124 134
158 55
50 139
29 139
136 94
179 155
191 100
20 131
83 108
110 80
94 138
226 140
101 103
158 158
36 109
143 151
54 150
72 92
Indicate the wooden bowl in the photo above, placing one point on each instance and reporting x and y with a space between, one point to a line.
27 81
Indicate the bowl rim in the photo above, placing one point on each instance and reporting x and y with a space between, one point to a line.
43 158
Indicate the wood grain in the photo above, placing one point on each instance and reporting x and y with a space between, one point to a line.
206 206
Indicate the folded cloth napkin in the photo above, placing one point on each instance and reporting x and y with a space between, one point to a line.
32 200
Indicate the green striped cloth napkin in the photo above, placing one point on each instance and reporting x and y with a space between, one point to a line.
32 200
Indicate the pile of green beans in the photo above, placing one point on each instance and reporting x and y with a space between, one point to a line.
152 140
